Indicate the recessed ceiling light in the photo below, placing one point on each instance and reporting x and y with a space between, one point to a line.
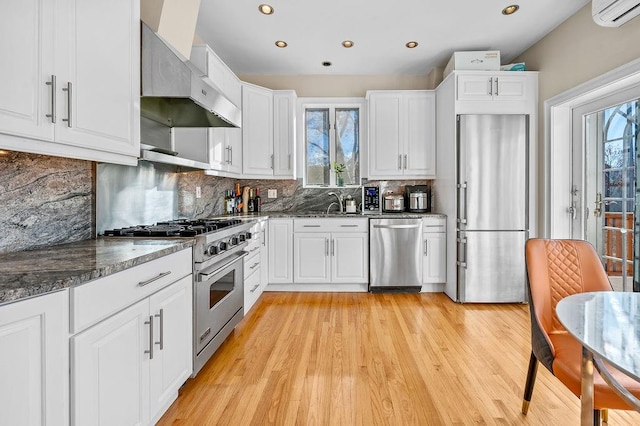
281 44
347 43
412 44
510 10
266 9
326 64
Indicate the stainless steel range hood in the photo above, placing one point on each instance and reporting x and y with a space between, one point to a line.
175 93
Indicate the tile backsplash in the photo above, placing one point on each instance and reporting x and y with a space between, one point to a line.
50 200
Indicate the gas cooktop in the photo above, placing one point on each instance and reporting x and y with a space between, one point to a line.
174 228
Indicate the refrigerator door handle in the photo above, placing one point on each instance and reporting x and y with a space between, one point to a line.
462 191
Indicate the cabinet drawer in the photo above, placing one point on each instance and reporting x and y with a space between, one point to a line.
434 224
103 297
251 265
331 225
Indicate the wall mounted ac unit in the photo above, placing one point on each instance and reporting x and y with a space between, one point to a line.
613 13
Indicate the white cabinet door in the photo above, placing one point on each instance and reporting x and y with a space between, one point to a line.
489 86
281 251
257 131
110 372
311 259
420 136
27 46
234 144
350 258
385 155
510 87
171 365
97 62
434 263
35 361
284 130
225 149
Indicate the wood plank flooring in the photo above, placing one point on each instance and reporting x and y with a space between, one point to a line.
375 359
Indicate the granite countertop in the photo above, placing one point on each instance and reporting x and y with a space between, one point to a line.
34 272
322 215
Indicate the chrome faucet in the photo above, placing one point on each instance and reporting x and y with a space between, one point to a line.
340 203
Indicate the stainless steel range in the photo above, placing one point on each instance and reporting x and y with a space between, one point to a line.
218 275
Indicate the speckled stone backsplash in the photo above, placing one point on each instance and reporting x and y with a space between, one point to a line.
292 196
44 201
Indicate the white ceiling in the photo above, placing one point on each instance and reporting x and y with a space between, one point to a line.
245 39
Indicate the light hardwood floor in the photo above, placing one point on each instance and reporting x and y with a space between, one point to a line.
375 359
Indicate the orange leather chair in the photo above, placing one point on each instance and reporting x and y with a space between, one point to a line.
556 269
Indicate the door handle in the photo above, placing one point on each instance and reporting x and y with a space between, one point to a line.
69 90
491 86
149 281
462 187
161 341
272 162
426 248
497 87
399 162
333 251
326 247
150 351
52 83
397 226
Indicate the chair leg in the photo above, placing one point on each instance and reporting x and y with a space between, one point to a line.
531 380
596 418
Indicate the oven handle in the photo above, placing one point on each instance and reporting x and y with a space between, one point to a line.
204 276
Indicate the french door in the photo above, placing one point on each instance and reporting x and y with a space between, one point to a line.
605 183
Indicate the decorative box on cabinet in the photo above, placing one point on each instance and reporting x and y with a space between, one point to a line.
34 389
49 96
402 134
132 343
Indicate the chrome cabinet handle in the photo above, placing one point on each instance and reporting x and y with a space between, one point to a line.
150 351
326 247
333 247
149 281
426 247
69 90
264 237
405 161
255 287
397 226
272 162
497 87
161 341
491 86
254 265
52 83
399 162
348 226
463 208
311 226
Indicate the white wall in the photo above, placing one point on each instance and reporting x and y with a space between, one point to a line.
577 51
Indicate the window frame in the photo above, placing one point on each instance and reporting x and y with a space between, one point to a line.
332 104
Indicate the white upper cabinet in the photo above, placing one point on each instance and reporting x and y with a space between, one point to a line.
488 92
268 132
284 131
402 134
257 131
217 71
76 84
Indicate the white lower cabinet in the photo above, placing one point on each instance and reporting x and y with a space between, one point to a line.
332 251
254 264
34 384
434 263
127 369
280 251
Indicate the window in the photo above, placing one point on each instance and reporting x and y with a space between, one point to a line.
332 136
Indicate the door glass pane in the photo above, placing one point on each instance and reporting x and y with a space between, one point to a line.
347 143
317 140
615 190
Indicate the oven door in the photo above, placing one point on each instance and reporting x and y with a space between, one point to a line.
219 296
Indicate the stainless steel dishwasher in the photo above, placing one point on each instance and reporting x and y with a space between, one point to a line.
395 255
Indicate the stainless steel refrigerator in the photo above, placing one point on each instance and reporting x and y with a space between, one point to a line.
493 194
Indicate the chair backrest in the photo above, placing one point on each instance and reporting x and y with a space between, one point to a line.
559 268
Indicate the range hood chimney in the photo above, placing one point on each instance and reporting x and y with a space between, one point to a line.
175 93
